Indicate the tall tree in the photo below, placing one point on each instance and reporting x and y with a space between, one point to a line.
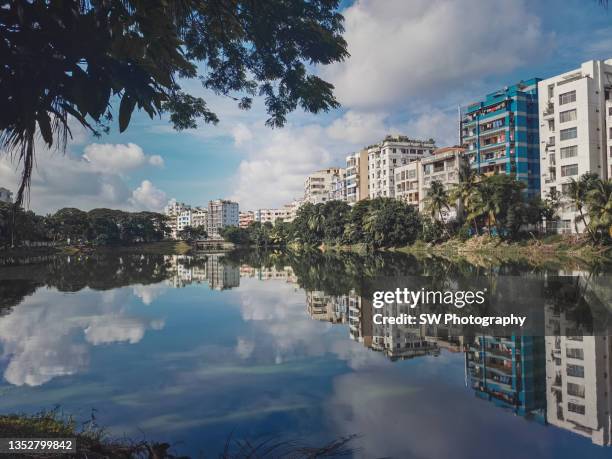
576 192
437 201
75 60
599 201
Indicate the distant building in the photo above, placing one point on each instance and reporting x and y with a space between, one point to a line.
575 131
6 195
318 185
221 213
501 134
246 218
357 177
199 217
292 209
338 187
173 210
392 152
271 215
413 181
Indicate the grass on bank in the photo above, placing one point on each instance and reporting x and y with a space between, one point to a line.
93 443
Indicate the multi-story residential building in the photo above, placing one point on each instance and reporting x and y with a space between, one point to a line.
221 213
508 371
338 187
392 152
173 210
292 209
408 183
6 195
246 218
412 181
575 130
199 217
271 215
501 134
357 177
318 184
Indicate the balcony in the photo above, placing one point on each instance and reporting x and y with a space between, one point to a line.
549 111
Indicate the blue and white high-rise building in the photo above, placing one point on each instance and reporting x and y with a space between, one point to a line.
501 134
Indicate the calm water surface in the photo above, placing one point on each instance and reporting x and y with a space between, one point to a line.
188 350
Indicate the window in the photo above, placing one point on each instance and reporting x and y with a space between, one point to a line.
567 97
575 370
575 390
570 133
569 170
569 115
569 152
411 174
575 353
575 408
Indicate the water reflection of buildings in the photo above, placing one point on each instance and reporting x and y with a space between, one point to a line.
208 269
578 379
508 372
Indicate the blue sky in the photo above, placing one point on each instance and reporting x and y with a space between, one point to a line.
412 63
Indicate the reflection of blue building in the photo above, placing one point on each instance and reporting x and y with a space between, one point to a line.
501 134
510 372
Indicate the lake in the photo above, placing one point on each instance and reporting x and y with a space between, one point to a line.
191 350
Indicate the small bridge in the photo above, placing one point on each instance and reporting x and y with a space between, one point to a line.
213 245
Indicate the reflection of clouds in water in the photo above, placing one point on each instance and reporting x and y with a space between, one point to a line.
279 311
244 348
48 334
148 293
427 421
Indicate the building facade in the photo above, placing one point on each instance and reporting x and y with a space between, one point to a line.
357 177
318 185
221 213
199 217
246 218
392 152
501 134
575 131
338 187
412 181
6 195
271 215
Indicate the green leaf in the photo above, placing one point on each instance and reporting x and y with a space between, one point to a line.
44 123
125 111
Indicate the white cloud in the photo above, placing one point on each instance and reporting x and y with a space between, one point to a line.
86 181
61 329
241 134
358 127
277 162
118 158
409 50
148 197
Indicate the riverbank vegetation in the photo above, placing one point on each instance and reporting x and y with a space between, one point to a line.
492 206
94 443
97 227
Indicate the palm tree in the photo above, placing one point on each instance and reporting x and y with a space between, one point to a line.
599 201
437 201
465 192
576 192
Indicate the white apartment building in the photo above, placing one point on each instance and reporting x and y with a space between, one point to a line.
221 213
357 177
413 181
175 210
575 130
292 209
318 184
409 182
271 215
392 152
6 195
338 187
199 217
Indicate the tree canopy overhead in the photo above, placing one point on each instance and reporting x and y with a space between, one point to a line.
72 59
